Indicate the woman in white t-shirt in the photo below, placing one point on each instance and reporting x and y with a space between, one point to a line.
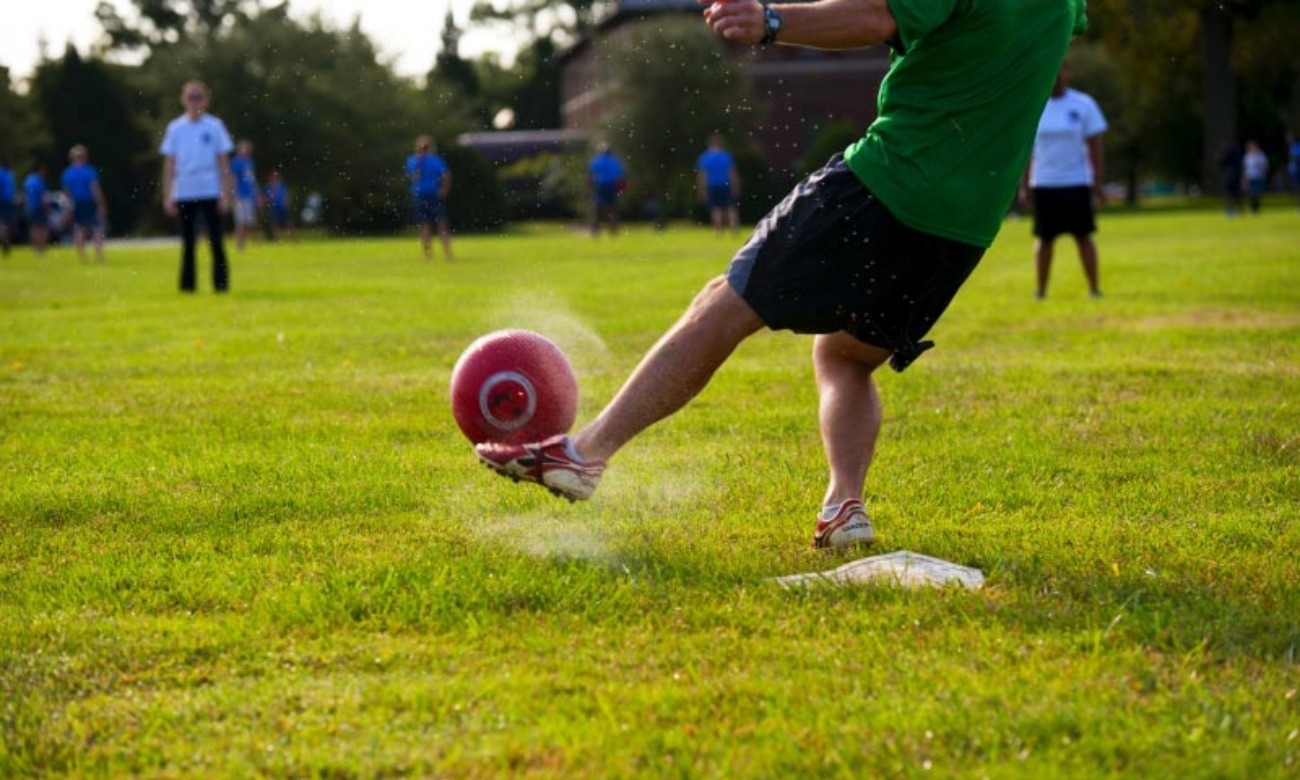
196 181
1065 178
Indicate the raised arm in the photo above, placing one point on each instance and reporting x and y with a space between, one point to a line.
825 24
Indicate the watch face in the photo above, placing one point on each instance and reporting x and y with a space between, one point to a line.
771 23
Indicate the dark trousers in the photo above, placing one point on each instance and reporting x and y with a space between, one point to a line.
188 211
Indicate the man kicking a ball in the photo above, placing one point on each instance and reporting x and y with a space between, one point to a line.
866 252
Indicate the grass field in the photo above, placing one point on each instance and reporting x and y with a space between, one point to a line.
242 536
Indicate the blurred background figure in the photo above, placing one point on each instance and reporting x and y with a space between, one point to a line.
1065 179
36 210
276 198
80 183
719 185
8 199
244 171
430 183
1254 171
606 180
196 181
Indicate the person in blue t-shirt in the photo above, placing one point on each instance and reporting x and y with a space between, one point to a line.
8 195
430 182
36 210
244 172
606 179
276 198
80 182
719 185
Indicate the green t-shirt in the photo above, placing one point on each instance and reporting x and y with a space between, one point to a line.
958 109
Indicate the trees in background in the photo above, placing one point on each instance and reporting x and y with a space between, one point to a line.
1191 76
317 103
22 133
1178 79
87 101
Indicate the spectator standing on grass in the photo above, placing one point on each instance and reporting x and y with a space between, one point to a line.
244 171
430 182
197 182
718 181
1254 171
36 209
8 201
80 182
276 197
866 252
1065 179
606 180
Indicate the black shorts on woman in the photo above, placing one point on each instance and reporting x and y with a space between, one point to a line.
831 257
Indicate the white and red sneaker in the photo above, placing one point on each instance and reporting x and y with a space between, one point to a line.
551 463
843 526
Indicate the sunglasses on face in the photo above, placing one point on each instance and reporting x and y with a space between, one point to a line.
195 97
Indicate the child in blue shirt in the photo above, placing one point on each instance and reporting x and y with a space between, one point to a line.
719 184
607 179
244 172
276 197
80 183
430 182
36 210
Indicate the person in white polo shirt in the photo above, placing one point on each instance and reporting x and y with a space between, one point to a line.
1065 178
197 182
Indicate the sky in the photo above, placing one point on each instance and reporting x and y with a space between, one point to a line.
406 33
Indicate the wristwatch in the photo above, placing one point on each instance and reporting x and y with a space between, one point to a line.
771 25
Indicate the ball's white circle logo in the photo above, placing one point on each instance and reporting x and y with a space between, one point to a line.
507 400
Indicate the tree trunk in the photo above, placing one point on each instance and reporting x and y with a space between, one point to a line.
1218 93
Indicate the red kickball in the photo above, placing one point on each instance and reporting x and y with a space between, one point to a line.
513 386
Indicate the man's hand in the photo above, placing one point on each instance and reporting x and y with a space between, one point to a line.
735 20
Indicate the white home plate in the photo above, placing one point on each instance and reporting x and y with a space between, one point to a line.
901 567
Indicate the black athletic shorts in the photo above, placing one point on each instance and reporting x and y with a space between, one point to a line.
1063 211
831 257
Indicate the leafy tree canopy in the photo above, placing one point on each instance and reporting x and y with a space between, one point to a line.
158 23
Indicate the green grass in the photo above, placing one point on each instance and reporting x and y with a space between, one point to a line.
242 536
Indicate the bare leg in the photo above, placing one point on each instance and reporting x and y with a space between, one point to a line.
426 240
674 371
444 234
79 238
99 245
849 410
1088 255
1043 259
